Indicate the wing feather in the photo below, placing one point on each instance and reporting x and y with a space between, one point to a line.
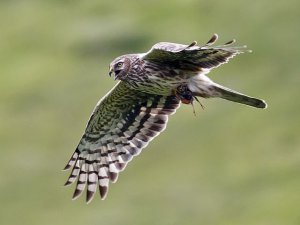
193 57
121 125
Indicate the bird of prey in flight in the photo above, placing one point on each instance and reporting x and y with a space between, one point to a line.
151 86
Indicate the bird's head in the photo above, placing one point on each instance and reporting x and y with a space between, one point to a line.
120 67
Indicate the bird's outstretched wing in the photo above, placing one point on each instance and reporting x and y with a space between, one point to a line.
194 57
122 124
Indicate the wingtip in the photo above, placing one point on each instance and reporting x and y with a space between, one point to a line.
67 183
103 192
120 166
113 177
89 196
192 44
230 42
212 40
76 194
68 166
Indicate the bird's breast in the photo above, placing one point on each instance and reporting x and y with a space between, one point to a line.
155 78
157 83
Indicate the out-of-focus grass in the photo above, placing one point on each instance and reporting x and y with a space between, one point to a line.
228 165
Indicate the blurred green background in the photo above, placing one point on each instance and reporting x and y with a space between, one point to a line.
230 164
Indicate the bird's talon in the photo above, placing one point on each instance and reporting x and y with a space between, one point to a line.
202 106
183 94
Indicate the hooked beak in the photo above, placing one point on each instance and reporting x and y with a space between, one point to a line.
115 73
110 71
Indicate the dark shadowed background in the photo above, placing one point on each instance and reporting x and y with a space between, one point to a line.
231 164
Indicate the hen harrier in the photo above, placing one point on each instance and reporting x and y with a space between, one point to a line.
151 87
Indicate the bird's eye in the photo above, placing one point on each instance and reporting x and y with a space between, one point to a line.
119 64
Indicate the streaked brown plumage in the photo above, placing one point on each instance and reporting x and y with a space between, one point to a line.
136 110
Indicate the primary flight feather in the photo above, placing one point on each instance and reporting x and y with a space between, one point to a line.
151 87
